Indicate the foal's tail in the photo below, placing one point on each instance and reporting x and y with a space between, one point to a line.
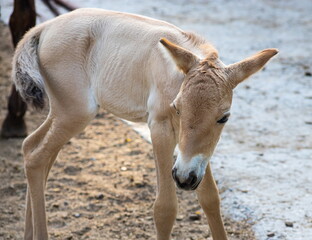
25 70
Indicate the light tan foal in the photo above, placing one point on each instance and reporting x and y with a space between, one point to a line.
140 69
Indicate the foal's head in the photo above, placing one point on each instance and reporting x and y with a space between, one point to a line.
203 106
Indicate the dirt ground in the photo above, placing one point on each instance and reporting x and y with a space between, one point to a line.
102 185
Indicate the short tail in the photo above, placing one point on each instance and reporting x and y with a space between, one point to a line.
25 70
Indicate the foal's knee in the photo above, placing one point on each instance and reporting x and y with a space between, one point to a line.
164 208
209 203
165 211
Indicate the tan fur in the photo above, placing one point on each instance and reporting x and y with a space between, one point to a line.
184 59
93 58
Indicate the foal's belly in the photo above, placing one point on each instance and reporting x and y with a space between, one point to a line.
124 100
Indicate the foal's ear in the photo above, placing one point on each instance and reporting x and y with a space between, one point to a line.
183 58
239 71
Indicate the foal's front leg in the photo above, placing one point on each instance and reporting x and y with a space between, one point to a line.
165 207
208 197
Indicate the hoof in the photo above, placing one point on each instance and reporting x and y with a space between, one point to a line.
13 127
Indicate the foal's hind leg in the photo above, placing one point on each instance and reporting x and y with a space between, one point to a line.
30 143
208 197
40 151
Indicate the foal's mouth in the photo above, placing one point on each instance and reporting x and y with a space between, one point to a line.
196 185
184 187
190 184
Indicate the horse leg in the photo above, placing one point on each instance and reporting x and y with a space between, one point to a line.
40 151
28 233
14 124
165 206
208 197
21 20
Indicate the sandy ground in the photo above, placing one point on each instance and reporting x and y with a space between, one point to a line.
263 161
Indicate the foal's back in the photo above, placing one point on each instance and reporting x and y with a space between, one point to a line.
107 50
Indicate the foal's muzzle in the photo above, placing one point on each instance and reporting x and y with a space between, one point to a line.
191 183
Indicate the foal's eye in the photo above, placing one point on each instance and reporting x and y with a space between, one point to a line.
224 119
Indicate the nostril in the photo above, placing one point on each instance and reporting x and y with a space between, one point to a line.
192 178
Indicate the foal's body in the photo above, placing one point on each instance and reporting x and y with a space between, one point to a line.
94 58
117 57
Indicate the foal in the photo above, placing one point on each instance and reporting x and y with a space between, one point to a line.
140 69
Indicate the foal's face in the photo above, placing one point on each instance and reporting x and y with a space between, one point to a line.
203 106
